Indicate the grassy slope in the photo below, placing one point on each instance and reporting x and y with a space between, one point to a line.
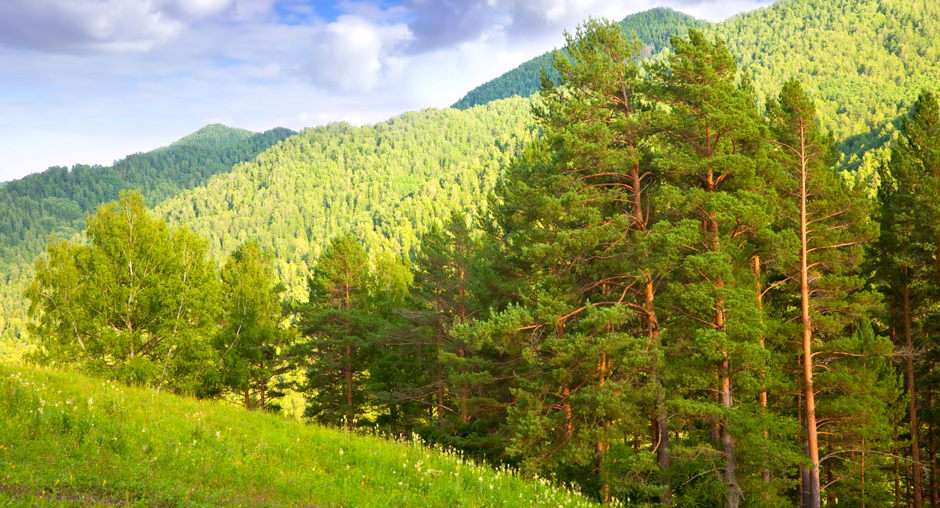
79 438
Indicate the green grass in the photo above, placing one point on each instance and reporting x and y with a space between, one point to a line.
69 440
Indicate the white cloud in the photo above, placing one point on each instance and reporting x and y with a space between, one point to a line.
353 54
80 26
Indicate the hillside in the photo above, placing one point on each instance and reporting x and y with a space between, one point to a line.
88 441
56 201
653 27
385 182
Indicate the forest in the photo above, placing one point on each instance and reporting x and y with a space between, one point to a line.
672 297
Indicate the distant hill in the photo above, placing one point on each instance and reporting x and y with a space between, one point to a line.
653 27
56 201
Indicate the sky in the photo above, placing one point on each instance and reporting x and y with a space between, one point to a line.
91 81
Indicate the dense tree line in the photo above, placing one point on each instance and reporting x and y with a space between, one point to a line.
654 27
673 297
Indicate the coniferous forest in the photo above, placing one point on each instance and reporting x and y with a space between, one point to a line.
672 281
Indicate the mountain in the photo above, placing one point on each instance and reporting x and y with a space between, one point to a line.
653 27
56 201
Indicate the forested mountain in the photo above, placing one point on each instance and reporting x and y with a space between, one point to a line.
862 61
57 201
386 183
653 27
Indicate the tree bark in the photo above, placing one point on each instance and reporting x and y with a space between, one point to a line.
660 421
765 472
349 388
912 392
932 452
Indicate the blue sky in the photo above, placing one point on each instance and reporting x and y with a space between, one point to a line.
90 81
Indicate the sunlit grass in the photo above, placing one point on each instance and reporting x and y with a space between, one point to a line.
83 440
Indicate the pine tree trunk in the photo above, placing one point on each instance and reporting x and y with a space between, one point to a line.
897 471
932 452
912 402
765 472
602 446
863 472
247 400
349 388
811 491
264 386
660 422
440 384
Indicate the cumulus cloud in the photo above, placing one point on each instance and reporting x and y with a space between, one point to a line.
354 54
80 26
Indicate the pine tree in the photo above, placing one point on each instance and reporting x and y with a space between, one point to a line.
909 255
830 221
711 143
339 325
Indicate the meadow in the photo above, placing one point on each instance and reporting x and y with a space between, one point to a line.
71 440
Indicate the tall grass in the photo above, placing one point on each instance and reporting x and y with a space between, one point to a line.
80 440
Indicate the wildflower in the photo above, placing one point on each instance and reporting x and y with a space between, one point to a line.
340 451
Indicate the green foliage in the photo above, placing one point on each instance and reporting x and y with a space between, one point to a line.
653 28
344 323
78 437
137 304
861 62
